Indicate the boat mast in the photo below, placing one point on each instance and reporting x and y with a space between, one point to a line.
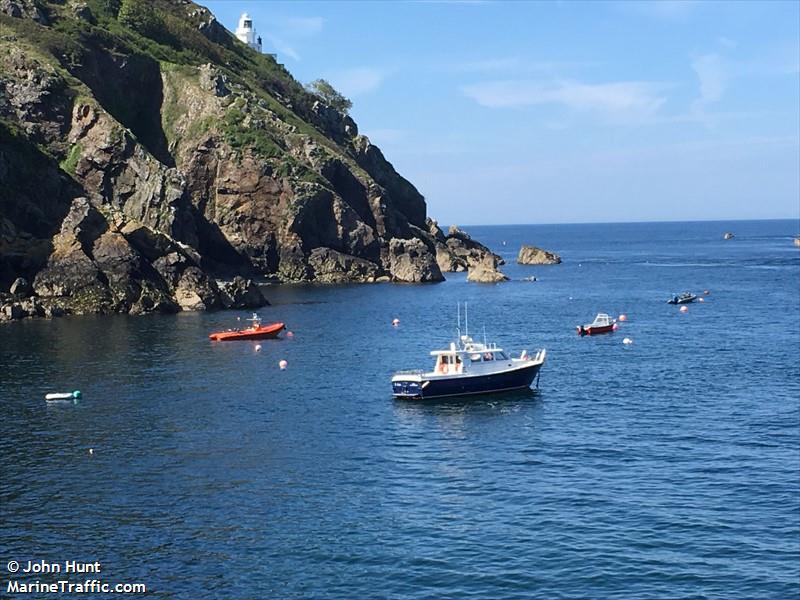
458 312
466 320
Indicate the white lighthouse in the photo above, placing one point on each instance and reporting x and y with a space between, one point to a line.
247 33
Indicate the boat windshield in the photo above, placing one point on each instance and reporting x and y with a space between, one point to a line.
488 355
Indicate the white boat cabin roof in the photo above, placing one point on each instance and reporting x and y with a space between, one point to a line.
468 348
602 319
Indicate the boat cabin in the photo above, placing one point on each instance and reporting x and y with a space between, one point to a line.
472 357
602 320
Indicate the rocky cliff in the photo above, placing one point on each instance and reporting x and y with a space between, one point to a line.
146 156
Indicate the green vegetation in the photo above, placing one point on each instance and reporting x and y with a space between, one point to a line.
245 135
140 16
71 161
325 91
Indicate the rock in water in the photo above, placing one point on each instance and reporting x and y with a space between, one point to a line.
486 272
458 251
330 266
531 255
411 261
241 293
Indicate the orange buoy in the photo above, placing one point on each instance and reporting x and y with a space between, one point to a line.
289 334
623 317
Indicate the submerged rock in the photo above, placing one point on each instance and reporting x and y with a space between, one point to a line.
531 255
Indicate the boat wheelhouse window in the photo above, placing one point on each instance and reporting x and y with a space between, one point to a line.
501 356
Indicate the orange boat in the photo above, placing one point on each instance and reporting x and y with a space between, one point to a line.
256 332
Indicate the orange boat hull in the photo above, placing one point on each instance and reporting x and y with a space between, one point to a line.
251 333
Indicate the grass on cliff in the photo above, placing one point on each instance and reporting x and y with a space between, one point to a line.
167 31
70 163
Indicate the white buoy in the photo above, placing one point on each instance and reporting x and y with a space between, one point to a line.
701 299
395 322
684 309
91 451
289 334
623 317
258 347
283 364
627 341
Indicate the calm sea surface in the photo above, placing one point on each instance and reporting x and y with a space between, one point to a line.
669 468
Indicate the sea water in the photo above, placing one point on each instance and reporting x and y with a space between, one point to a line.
667 468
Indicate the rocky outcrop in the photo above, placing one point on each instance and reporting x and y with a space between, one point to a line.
195 291
410 261
20 288
23 9
241 293
330 266
531 255
132 179
459 252
485 272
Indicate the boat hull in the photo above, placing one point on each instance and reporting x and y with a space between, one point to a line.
421 387
261 333
589 330
682 299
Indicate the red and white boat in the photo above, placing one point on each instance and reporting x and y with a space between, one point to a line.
602 324
256 332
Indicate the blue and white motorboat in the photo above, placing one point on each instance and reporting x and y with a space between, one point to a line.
469 367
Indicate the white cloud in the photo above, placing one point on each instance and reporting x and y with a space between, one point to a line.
282 47
302 26
713 77
285 33
358 80
620 99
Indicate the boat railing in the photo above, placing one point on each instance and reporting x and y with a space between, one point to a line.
410 372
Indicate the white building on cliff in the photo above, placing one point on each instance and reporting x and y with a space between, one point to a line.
247 33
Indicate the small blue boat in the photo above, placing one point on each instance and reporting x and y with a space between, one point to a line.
469 367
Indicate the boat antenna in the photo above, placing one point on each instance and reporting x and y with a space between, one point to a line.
466 320
458 311
484 335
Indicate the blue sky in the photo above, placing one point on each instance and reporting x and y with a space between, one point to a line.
557 112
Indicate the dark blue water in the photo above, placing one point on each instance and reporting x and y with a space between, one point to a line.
669 468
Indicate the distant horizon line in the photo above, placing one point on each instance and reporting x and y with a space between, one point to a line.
626 222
